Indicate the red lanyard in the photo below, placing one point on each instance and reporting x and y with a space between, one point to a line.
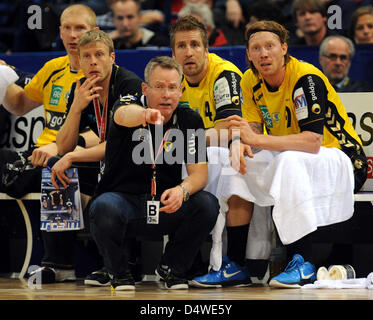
101 121
153 182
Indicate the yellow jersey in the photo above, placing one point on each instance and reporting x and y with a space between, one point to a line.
305 101
51 87
218 95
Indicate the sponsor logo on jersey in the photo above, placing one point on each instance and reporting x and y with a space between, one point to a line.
259 97
234 83
236 100
300 102
276 117
168 146
184 104
55 95
311 86
266 116
222 93
54 120
316 108
127 99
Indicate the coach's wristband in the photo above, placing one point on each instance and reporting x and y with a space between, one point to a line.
233 139
81 141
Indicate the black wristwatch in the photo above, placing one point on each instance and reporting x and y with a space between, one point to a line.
186 192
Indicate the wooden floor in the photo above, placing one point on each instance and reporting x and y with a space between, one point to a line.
15 289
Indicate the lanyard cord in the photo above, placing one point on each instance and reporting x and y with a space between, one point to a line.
101 125
101 120
153 181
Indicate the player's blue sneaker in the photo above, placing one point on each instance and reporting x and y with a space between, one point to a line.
230 274
297 273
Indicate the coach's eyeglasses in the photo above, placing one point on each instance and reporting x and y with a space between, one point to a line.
162 89
334 57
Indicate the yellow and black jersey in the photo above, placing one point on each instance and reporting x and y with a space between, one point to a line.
51 87
218 95
305 101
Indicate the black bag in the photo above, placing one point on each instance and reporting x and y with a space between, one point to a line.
18 175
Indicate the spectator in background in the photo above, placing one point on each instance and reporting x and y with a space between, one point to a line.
203 13
361 25
265 10
310 18
128 33
148 17
234 10
230 17
98 6
336 54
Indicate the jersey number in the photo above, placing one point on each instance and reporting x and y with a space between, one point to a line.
208 112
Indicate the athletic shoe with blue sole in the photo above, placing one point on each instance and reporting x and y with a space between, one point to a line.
297 273
230 274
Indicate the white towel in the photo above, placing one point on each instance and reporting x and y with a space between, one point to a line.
259 235
307 190
310 190
7 77
359 283
369 282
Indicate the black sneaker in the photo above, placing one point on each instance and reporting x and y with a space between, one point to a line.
136 270
98 278
173 282
162 271
123 283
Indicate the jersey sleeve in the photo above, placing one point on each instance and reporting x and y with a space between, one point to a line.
309 99
227 95
250 110
24 77
127 100
130 84
34 89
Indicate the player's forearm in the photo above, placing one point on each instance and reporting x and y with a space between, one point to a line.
90 139
17 102
67 136
218 135
93 154
197 177
306 141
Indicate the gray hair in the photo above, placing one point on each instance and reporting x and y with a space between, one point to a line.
163 62
200 9
325 42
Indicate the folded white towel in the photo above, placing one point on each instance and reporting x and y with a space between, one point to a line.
359 283
307 190
7 77
369 282
259 236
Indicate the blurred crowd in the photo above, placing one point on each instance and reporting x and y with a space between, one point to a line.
142 23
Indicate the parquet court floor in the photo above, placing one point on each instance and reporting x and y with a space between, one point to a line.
15 289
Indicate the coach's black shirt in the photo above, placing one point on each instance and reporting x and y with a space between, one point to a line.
128 148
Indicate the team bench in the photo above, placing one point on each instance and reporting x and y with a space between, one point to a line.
359 196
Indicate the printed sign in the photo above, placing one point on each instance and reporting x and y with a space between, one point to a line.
359 108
